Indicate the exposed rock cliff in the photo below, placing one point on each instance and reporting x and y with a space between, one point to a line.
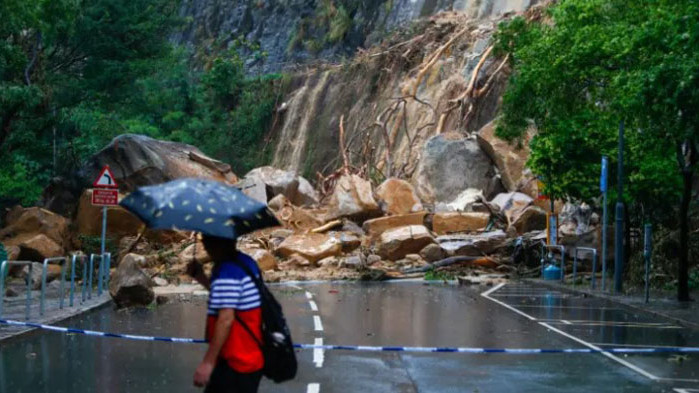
295 32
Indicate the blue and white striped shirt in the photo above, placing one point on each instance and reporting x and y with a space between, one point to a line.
232 288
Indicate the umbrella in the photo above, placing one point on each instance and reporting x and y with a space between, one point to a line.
205 206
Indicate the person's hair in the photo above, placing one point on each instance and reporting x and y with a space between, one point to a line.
219 248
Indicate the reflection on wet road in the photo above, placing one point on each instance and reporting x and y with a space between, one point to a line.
387 314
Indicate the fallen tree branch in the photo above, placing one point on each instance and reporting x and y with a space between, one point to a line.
433 59
328 226
442 263
345 160
474 77
485 87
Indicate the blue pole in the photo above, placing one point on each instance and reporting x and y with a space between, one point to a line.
605 220
104 227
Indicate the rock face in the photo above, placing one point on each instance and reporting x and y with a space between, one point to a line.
129 286
312 246
279 182
137 160
443 223
25 224
397 197
119 221
352 197
395 244
472 245
377 226
510 159
450 164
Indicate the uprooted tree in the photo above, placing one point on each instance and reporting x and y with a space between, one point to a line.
591 64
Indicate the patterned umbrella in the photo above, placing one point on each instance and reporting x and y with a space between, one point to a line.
205 206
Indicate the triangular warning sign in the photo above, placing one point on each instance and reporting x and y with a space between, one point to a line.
105 179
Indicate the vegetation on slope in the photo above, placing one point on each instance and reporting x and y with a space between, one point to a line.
80 72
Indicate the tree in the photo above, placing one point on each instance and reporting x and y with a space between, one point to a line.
590 64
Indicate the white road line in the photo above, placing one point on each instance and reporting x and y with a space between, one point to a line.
607 354
318 325
585 343
309 295
617 345
318 354
681 390
295 287
566 322
570 307
487 293
619 324
314 306
313 388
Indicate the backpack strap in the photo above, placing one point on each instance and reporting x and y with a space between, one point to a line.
257 282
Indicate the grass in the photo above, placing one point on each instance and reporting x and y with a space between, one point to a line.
439 275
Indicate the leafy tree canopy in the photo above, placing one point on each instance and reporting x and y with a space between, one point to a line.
590 64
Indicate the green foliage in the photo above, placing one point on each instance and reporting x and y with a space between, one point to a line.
439 275
599 62
340 24
89 70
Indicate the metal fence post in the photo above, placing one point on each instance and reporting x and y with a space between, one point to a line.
91 268
2 285
647 251
43 287
100 275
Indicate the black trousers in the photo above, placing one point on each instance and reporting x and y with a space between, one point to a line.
226 380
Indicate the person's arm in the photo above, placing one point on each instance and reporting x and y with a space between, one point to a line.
222 329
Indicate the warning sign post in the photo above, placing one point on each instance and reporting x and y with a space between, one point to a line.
101 197
106 193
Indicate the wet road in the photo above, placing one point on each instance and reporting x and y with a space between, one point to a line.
387 314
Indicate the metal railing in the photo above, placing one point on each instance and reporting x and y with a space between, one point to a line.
87 279
594 264
545 247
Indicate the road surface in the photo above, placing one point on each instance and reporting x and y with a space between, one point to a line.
515 315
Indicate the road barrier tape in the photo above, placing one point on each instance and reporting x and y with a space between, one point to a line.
513 351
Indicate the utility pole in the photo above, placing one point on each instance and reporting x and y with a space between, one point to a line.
619 227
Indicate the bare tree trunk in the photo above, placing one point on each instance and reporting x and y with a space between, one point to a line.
686 158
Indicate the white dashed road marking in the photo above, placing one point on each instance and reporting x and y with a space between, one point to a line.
314 306
313 388
318 325
318 354
309 295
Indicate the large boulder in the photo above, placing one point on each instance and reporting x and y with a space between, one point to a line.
395 244
462 203
265 260
130 286
454 222
472 245
397 197
280 182
311 246
353 198
138 160
119 221
375 227
25 224
511 159
532 218
194 253
39 248
512 204
450 164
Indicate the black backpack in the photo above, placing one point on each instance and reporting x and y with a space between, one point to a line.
277 347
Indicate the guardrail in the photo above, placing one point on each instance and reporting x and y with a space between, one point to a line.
594 264
87 287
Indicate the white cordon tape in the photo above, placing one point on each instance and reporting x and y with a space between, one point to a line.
512 351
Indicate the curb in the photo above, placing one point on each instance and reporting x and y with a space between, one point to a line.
614 299
58 318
